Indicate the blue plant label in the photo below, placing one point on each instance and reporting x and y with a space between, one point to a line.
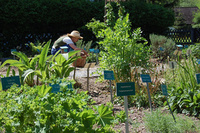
13 50
109 75
125 89
7 82
96 51
198 78
186 46
161 49
146 78
55 88
164 90
198 61
70 86
92 50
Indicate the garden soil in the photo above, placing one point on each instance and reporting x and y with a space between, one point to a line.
100 92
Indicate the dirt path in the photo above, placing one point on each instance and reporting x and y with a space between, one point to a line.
101 94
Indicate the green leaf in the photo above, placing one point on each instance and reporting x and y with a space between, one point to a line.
22 57
43 56
104 115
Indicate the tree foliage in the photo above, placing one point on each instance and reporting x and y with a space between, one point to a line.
25 21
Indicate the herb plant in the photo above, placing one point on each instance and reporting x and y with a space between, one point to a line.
30 109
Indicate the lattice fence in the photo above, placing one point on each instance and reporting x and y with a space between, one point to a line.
185 36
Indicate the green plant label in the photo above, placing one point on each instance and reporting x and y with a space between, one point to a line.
164 89
145 78
125 89
198 78
55 88
70 86
7 82
109 75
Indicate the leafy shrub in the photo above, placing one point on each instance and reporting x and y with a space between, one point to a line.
26 110
195 50
163 122
183 88
162 46
121 48
42 66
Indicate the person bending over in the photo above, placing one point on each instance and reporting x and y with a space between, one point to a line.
68 40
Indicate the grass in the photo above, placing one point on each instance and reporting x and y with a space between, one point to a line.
164 122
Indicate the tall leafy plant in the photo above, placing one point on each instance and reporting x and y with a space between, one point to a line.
61 64
121 48
31 70
23 64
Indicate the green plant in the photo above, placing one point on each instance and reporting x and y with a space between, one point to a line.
29 109
183 88
158 121
61 66
84 45
36 48
29 67
161 46
195 50
120 47
87 47
40 66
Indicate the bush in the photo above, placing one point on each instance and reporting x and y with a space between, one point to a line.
195 50
183 87
162 46
26 110
163 122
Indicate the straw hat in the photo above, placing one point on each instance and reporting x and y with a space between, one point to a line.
75 34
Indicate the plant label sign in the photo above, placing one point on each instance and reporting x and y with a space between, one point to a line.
146 78
55 88
92 50
198 78
125 89
7 82
13 50
164 89
109 75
